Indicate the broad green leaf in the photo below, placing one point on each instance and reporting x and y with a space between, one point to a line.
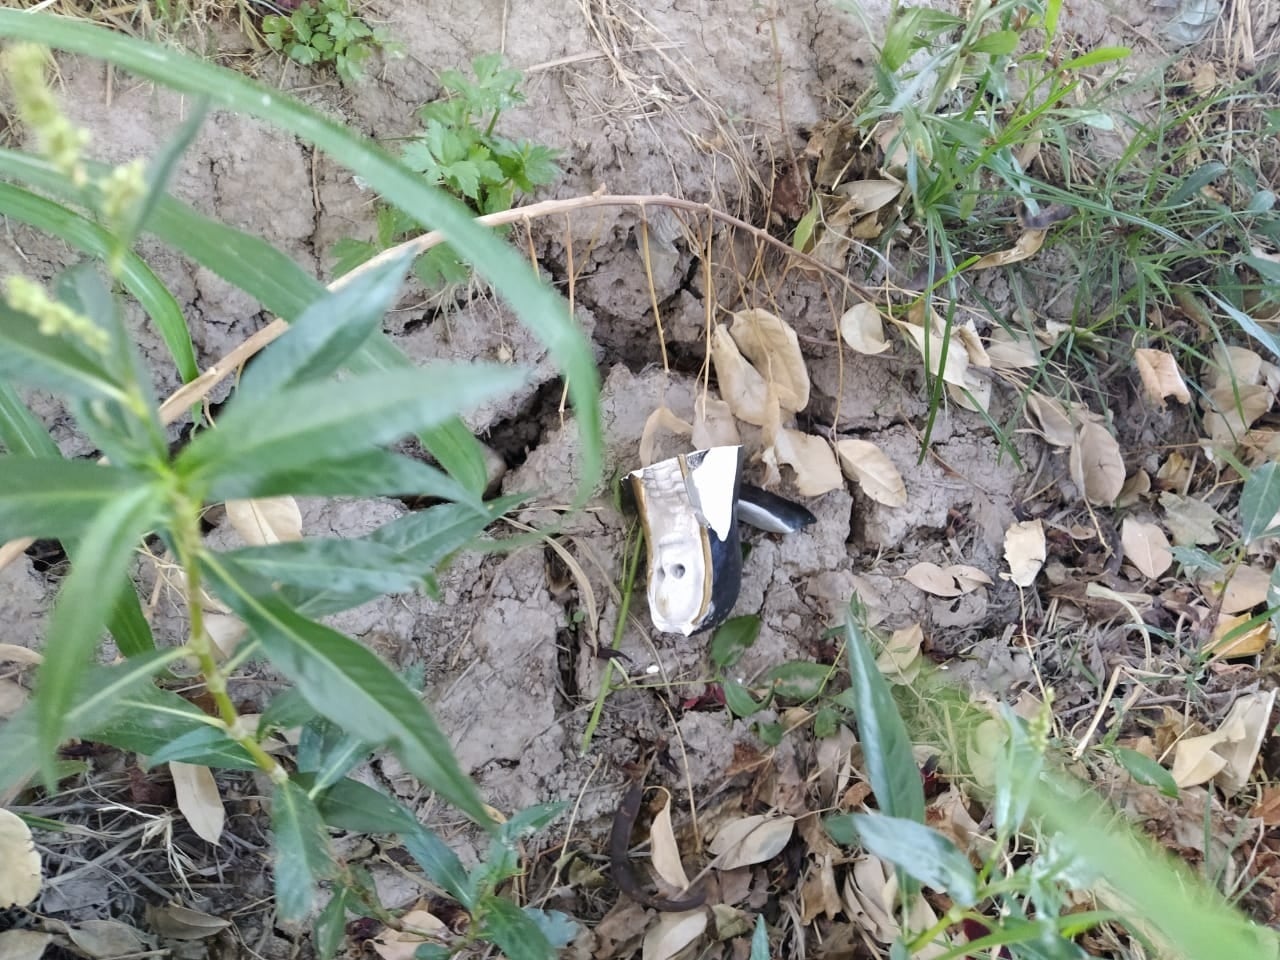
891 766
800 680
331 926
288 708
1260 502
323 421
52 497
346 683
367 474
1018 768
1146 771
999 43
127 623
83 606
342 566
57 363
359 808
136 277
326 335
204 744
513 931
439 863
21 433
102 695
1095 57
738 700
149 720
559 928
536 304
303 857
732 639
327 753
919 850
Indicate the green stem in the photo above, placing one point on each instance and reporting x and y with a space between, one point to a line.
628 583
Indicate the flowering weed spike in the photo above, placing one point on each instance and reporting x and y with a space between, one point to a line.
60 141
55 319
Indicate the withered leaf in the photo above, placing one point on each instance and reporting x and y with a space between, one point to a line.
873 471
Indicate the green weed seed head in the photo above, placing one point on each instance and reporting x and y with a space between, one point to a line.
1041 724
54 318
61 142
123 187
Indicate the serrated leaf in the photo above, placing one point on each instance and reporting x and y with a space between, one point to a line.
303 857
920 851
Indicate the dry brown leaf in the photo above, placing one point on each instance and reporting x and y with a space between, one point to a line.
1137 486
1228 754
226 631
198 799
1174 473
665 852
975 395
713 424
1025 551
20 870
931 578
900 661
1146 547
266 520
968 578
176 922
12 653
950 816
741 385
1246 643
771 346
870 195
662 419
870 895
1028 246
106 939
1247 588
1160 376
873 471
1097 467
23 944
965 332
819 893
862 328
1195 762
810 457
1009 351
749 840
953 366
1050 420
1191 521
1235 366
672 933
1267 808
418 926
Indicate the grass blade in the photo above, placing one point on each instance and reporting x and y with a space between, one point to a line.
537 306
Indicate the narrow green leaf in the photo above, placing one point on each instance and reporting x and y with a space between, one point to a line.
1259 502
732 639
999 43
323 421
919 850
514 933
1095 57
800 680
102 695
83 606
136 277
439 863
127 623
288 708
359 808
342 566
331 925
52 497
891 766
1018 769
1146 771
21 433
538 306
329 331
367 474
760 940
348 684
303 857
148 720
205 744
55 362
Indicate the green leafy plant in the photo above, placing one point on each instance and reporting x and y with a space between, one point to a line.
290 428
460 150
327 32
1070 840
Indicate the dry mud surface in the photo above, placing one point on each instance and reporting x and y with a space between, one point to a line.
679 97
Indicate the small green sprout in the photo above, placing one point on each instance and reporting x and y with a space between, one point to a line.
327 32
